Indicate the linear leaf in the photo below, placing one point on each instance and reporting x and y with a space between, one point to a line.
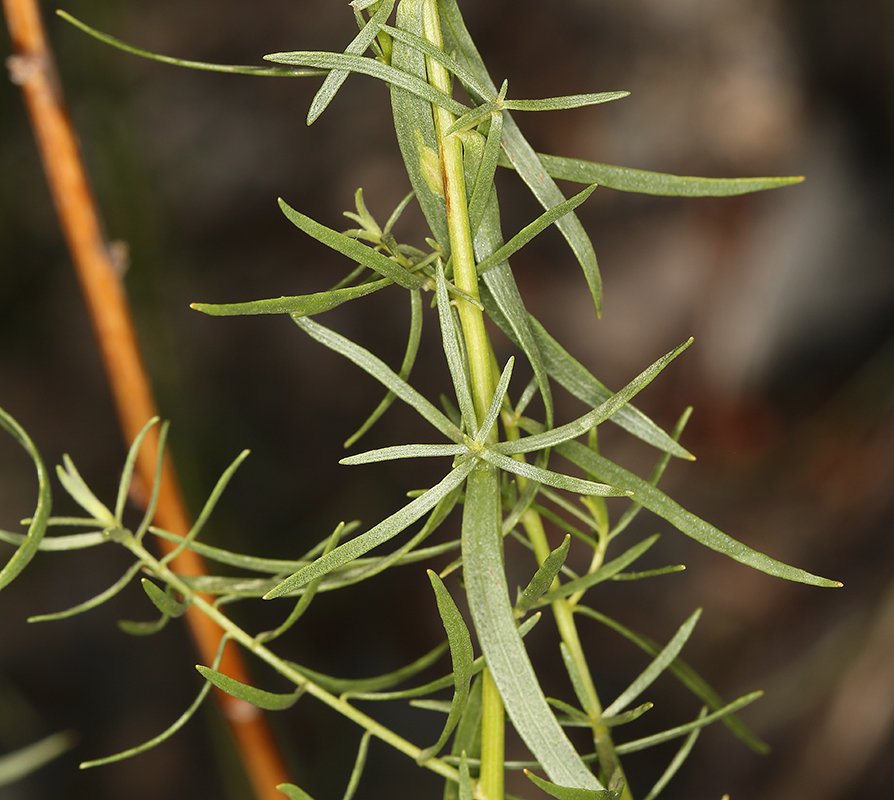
73 541
682 730
22 762
352 248
453 350
336 77
595 417
547 218
293 792
550 478
359 764
563 103
93 602
687 676
499 639
75 485
570 793
163 601
626 179
659 503
369 66
381 372
543 578
404 451
523 157
385 530
660 663
129 463
462 657
604 573
39 520
405 367
269 701
415 128
496 403
354 686
179 62
305 305
676 761
578 380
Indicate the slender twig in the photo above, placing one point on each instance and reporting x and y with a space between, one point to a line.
33 69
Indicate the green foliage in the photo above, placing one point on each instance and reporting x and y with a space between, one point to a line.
500 475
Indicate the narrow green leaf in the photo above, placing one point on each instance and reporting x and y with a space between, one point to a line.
210 503
604 573
133 751
595 417
659 503
522 155
351 248
369 66
502 646
569 793
563 103
87 605
73 541
406 366
242 691
543 578
547 218
22 762
74 484
404 451
656 183
687 676
415 128
132 628
351 687
676 762
152 503
127 472
574 377
657 471
39 520
385 530
660 663
462 656
550 478
483 185
336 77
179 62
577 680
381 372
293 792
359 764
305 305
496 403
422 45
682 730
456 358
164 601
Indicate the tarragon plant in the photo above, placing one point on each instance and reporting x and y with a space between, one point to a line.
508 478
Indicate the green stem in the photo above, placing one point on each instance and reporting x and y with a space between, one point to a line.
254 646
465 275
478 350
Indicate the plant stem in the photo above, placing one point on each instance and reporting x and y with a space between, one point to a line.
465 276
478 349
257 648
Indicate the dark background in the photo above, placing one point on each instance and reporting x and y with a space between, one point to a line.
789 295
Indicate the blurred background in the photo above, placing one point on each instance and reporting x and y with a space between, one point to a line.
789 294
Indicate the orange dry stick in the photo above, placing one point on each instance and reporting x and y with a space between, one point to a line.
33 69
